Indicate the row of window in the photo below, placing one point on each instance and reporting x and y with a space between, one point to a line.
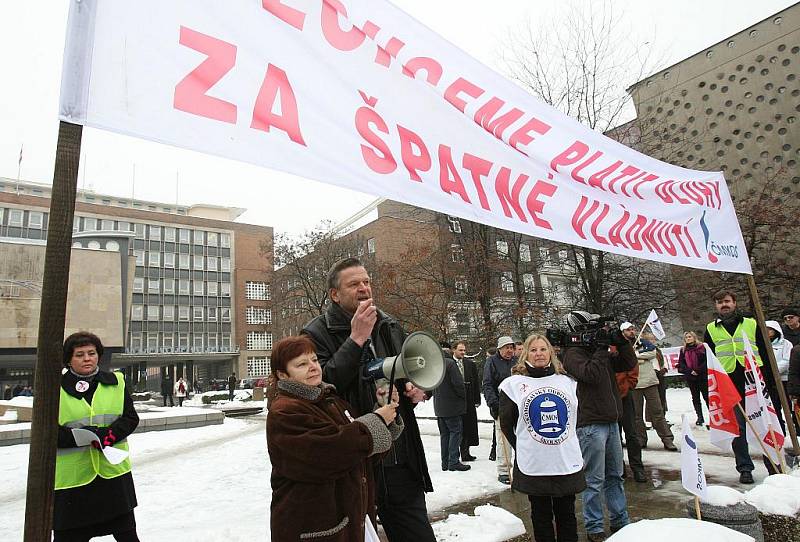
259 340
185 287
180 342
166 313
154 232
16 218
255 290
258 366
184 261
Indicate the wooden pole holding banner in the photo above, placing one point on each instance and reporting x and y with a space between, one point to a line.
778 451
776 376
697 508
49 347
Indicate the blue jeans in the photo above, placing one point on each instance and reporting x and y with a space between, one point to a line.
450 430
602 464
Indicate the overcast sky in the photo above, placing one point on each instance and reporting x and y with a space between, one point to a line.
32 38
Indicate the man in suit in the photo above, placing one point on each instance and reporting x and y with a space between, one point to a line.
449 405
469 436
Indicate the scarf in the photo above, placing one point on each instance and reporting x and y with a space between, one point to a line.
691 354
88 378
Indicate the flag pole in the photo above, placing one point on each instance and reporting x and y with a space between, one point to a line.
777 450
760 440
697 508
776 376
49 346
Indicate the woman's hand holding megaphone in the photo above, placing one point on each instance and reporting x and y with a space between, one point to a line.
414 394
387 412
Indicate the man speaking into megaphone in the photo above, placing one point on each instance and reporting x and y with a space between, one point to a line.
352 333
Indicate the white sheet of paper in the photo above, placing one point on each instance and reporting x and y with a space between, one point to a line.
369 531
84 437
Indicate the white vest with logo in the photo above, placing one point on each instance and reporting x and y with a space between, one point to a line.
547 443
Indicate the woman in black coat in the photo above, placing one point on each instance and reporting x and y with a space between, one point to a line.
104 505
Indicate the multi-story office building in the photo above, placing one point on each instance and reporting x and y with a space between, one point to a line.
200 290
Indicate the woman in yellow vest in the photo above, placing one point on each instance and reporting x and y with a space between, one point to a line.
94 496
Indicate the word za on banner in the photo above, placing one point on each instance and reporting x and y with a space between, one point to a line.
359 94
722 401
766 428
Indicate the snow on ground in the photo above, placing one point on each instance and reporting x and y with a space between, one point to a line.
722 496
671 529
212 483
779 494
488 524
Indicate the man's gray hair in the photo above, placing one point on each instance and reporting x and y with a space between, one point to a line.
338 267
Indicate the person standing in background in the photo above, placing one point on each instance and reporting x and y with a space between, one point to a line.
470 436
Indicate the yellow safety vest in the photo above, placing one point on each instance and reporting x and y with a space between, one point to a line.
77 467
730 349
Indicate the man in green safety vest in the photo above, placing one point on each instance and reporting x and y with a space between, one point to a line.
724 337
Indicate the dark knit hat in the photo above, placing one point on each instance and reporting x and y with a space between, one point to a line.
790 311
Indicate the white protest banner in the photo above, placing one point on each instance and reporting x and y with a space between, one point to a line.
765 428
655 325
693 477
358 94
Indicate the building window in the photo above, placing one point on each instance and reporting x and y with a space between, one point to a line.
463 326
138 285
136 342
212 239
89 224
152 343
212 263
461 285
544 255
15 217
183 286
198 263
169 260
212 314
35 220
524 252
169 286
154 259
152 313
212 342
168 313
183 313
139 257
258 315
152 286
563 256
258 340
137 312
507 282
183 236
225 289
211 288
139 231
107 225
183 261
256 290
198 237
197 287
183 342
502 249
197 342
169 234
197 314
457 253
225 264
371 245
225 314
528 283
258 366
155 233
454 224
225 240
168 342
124 226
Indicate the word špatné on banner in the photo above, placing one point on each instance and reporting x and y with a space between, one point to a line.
358 94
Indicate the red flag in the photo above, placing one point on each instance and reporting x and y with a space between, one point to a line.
722 400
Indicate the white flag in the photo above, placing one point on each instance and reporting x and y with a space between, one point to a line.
655 325
693 476
759 408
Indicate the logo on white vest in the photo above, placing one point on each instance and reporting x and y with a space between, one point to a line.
546 416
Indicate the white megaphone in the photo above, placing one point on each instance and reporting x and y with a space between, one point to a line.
421 362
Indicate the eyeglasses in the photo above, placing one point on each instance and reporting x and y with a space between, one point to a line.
789 317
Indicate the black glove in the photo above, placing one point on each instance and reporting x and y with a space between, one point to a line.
494 411
105 434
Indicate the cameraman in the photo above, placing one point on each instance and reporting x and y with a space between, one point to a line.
594 365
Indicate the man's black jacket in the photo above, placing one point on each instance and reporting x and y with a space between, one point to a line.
342 365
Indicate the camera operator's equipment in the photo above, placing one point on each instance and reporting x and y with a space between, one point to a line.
585 329
420 361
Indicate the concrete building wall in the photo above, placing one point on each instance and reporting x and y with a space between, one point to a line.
94 299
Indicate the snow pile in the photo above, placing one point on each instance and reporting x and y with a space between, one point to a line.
20 400
722 496
671 529
489 524
9 416
778 494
